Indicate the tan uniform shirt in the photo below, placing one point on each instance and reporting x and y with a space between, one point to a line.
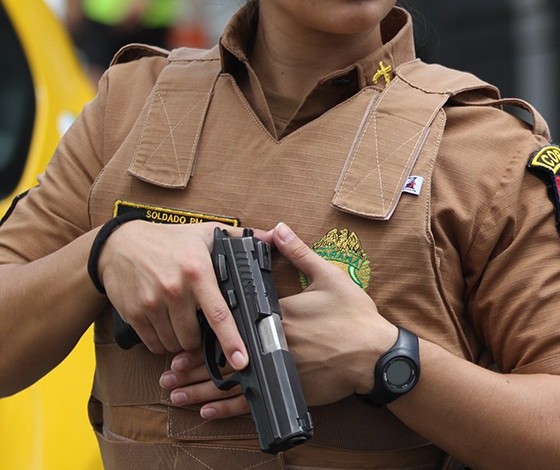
489 221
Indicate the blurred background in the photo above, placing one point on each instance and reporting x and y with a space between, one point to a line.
53 53
510 43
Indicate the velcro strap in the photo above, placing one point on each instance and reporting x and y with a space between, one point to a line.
118 455
171 123
129 377
386 148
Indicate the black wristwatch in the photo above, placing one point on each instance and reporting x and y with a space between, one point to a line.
397 372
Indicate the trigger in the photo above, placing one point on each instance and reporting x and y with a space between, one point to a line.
220 357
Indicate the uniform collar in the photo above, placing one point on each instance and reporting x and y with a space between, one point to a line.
398 46
374 70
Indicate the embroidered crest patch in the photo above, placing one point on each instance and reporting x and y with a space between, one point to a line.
344 249
546 165
164 215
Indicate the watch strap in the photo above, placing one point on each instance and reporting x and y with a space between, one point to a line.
407 348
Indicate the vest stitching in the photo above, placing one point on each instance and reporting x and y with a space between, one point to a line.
373 116
170 134
377 151
183 449
249 110
188 432
146 120
175 463
348 165
198 460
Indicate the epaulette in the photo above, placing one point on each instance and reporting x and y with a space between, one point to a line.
452 82
136 51
466 89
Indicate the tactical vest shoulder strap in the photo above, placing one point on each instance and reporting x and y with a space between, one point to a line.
466 89
399 125
437 79
173 117
135 51
394 134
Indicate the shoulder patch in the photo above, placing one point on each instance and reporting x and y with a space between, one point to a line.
546 165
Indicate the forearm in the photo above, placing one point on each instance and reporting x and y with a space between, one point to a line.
45 307
485 419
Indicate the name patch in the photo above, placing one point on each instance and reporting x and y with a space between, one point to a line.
164 215
546 165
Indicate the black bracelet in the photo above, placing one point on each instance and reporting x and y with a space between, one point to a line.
100 240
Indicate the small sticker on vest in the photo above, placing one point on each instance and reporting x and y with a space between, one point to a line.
343 249
414 185
546 165
165 215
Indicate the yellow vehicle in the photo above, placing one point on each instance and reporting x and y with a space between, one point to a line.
42 89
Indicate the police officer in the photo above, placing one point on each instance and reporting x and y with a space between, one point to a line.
415 246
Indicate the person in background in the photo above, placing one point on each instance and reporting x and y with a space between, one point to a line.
101 27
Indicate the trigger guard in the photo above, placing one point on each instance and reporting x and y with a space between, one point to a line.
209 341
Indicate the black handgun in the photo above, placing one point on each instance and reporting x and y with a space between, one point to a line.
270 382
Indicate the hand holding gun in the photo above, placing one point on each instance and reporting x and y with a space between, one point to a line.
270 382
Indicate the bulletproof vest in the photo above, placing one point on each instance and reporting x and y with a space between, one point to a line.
355 184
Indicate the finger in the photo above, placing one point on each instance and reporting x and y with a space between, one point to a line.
171 380
261 234
187 368
298 253
166 333
221 320
149 336
228 408
158 316
186 360
143 327
264 235
202 392
185 325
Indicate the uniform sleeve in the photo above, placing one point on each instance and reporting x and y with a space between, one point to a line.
495 227
55 212
515 304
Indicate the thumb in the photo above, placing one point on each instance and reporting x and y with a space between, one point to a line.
296 251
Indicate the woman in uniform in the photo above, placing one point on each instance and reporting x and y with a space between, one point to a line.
415 243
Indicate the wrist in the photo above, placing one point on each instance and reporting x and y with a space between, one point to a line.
397 371
94 265
378 344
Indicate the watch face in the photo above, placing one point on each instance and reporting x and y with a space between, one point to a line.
400 374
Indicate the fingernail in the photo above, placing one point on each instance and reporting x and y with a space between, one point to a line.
168 380
208 413
178 398
284 232
238 360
